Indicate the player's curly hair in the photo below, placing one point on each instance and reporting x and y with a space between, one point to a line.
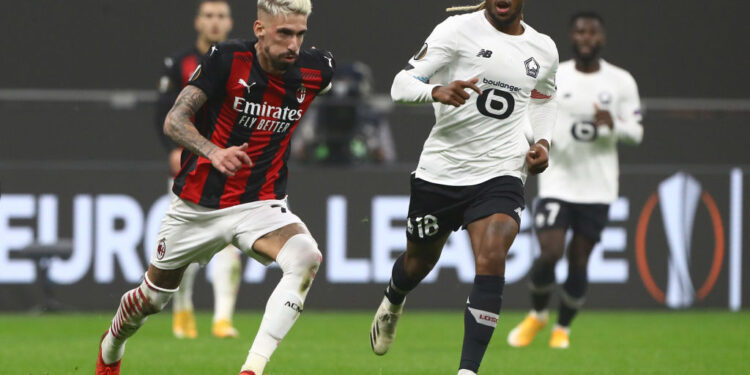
467 8
285 7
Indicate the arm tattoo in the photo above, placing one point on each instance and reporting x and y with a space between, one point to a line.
181 129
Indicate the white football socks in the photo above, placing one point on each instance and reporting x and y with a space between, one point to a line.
135 306
540 315
183 298
299 259
226 282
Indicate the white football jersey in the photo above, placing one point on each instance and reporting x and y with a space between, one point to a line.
483 138
584 166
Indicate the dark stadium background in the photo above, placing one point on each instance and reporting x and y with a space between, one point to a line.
689 59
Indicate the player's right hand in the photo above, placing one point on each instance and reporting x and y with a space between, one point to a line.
455 93
229 160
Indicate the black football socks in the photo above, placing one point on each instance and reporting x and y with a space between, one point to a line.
480 319
572 296
542 283
401 283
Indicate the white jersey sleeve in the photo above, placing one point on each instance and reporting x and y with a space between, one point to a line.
543 105
628 118
412 85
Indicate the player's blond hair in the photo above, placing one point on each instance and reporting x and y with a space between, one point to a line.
467 8
285 7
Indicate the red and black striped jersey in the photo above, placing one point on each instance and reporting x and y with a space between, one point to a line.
177 71
246 104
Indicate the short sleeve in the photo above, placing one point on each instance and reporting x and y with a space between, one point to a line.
212 74
437 52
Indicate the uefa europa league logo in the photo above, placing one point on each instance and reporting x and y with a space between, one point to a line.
679 198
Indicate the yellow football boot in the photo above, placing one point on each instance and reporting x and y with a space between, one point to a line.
525 332
560 338
183 325
223 329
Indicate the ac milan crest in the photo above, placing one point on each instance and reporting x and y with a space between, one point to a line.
162 249
301 93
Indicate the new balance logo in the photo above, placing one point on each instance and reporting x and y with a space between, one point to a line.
247 86
485 53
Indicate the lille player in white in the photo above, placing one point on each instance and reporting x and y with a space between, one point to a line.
484 72
598 108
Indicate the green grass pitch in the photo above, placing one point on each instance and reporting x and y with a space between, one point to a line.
697 342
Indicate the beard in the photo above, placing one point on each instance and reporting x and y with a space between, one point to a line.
278 61
587 57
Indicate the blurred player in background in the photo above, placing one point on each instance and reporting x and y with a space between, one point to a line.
484 72
213 22
345 127
235 119
599 106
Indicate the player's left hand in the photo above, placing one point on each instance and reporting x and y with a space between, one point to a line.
537 159
603 117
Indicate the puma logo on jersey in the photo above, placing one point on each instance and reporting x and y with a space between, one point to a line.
485 53
213 49
247 86
518 211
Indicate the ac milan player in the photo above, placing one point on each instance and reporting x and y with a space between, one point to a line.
247 98
213 22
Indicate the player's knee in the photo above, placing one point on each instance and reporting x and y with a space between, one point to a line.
156 297
549 259
490 262
418 266
300 255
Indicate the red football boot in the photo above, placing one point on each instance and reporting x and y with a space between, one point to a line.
247 373
103 368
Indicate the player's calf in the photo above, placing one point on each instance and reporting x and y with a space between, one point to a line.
299 259
404 278
135 306
480 319
542 282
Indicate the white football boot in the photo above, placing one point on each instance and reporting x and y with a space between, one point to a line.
383 330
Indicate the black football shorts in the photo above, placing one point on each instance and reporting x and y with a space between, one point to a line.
587 220
435 209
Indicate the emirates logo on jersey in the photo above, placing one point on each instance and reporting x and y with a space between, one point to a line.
162 249
301 94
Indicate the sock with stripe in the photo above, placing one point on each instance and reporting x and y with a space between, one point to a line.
135 306
542 283
480 319
572 296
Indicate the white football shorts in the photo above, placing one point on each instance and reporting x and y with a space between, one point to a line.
191 233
